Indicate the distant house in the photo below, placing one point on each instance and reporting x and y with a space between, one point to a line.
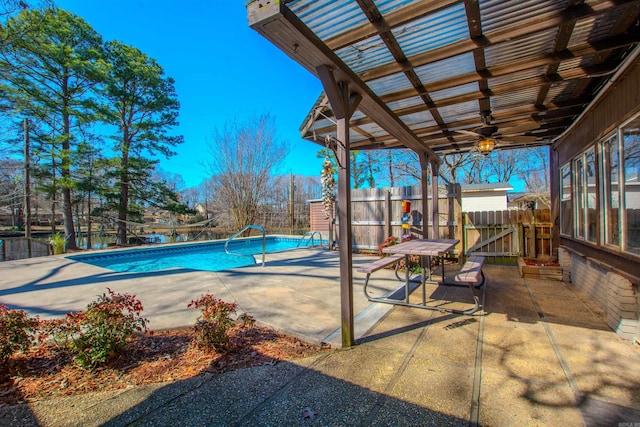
524 200
202 210
485 197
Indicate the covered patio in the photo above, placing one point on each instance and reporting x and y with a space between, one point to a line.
446 77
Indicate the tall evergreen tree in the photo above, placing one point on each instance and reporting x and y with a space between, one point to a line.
141 103
51 63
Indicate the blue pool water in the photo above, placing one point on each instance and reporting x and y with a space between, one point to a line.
203 256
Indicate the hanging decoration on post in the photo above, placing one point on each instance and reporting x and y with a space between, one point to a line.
405 220
328 185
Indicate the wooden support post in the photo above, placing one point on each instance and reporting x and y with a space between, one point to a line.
459 215
456 224
424 182
344 200
344 105
532 239
435 211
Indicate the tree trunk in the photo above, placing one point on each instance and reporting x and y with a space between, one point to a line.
69 231
89 223
122 210
53 213
124 194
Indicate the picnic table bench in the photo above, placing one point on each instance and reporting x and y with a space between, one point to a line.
470 275
380 263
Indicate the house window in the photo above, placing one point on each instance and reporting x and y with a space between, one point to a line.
591 199
604 211
630 188
621 188
580 202
566 217
611 177
585 196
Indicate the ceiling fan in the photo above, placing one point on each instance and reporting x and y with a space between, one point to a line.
488 133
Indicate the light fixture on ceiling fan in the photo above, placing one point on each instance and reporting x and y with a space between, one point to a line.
489 135
486 145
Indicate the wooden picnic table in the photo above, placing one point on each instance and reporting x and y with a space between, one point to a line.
428 248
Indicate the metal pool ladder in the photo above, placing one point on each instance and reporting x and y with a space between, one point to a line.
310 235
264 241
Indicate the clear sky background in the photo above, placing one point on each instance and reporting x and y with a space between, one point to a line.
223 70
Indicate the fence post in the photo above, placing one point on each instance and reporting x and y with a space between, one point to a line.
532 238
455 217
387 213
521 240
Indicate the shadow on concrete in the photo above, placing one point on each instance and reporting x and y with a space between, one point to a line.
106 277
282 394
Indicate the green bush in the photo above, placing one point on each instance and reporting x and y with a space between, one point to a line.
58 243
100 333
17 332
212 326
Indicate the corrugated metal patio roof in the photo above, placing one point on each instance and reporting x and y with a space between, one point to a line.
529 67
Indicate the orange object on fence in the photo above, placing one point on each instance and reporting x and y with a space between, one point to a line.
406 206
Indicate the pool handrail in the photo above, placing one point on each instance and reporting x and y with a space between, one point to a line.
205 228
311 239
245 228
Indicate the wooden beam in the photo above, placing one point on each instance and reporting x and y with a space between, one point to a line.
550 111
402 16
551 60
283 28
523 28
378 21
574 73
338 104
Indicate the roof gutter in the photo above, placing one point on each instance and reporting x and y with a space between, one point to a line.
619 71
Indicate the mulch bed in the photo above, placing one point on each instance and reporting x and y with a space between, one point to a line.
543 263
167 356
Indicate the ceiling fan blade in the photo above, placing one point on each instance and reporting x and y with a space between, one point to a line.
521 139
519 129
468 132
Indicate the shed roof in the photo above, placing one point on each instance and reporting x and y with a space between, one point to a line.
485 187
435 74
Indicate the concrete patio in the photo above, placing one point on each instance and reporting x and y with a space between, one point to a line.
296 291
538 354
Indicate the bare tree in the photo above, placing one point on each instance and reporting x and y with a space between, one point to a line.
535 174
243 158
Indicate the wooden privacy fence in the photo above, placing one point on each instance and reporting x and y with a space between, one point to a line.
376 213
503 236
22 247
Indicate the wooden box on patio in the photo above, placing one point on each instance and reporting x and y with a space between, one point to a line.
531 268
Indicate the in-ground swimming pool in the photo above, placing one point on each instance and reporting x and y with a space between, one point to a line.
199 256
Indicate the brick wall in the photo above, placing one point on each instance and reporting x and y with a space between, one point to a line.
614 294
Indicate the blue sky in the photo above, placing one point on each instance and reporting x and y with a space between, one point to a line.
223 70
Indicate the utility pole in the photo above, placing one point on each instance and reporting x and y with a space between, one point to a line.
291 204
27 186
